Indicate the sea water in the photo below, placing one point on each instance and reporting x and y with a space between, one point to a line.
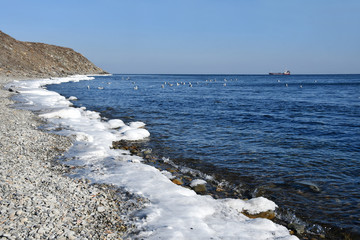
292 139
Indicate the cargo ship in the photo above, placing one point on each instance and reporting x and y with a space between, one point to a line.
281 73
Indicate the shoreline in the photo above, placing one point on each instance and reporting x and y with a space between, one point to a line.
158 159
37 200
199 210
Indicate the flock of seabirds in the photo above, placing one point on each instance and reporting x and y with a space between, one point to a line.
169 84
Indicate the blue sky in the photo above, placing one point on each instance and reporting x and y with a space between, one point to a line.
196 36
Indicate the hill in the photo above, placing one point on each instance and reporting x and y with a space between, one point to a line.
31 59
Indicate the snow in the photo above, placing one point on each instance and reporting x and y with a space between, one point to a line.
174 212
168 174
252 206
196 182
116 123
72 98
136 134
63 113
137 125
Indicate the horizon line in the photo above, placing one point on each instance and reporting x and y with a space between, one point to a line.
254 74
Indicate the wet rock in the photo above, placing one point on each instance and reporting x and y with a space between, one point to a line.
312 186
268 215
132 146
298 228
198 185
201 188
147 151
177 181
219 189
172 170
315 188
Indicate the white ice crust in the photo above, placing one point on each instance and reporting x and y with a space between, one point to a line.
196 182
72 98
116 123
252 206
174 212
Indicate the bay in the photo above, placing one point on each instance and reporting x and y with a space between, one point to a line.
293 139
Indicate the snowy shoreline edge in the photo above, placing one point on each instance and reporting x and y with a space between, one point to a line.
36 199
277 232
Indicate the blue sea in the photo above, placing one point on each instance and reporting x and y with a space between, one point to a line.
293 139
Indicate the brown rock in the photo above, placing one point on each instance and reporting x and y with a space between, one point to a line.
177 181
268 214
201 188
219 189
171 170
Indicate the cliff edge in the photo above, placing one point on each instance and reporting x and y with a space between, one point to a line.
30 59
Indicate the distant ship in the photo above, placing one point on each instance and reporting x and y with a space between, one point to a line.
283 73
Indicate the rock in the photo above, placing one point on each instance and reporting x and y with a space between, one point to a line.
268 215
298 228
131 146
71 235
198 185
201 188
313 187
101 209
177 181
19 212
219 189
23 220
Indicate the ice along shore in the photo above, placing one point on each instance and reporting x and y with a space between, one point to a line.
172 211
37 201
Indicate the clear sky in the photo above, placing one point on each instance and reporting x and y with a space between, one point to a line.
196 36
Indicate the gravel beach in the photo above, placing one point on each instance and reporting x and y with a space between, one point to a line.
37 201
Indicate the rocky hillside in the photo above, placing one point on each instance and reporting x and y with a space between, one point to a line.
30 59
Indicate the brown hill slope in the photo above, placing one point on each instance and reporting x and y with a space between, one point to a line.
30 59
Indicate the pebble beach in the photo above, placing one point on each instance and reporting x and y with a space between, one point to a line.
38 200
